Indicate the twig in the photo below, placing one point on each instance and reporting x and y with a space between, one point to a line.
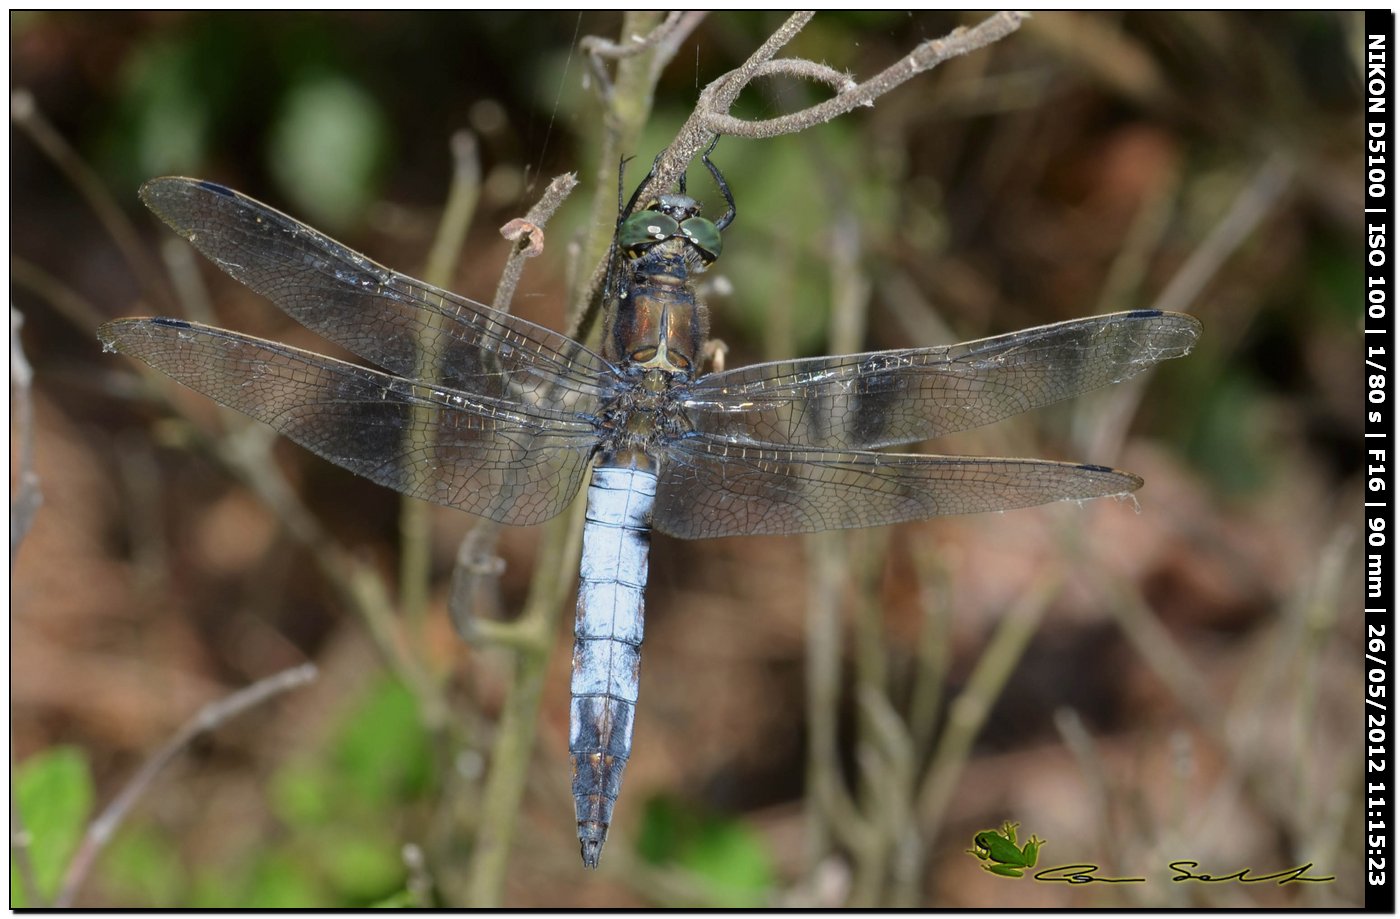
510 758
1080 743
1163 653
923 58
932 652
415 516
23 509
627 108
192 293
20 841
1250 207
529 241
931 658
28 497
969 711
211 716
711 115
832 812
474 601
462 195
886 759
70 305
664 39
26 115
244 453
695 135
420 883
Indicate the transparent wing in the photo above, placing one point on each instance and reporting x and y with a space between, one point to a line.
407 327
513 464
863 401
710 487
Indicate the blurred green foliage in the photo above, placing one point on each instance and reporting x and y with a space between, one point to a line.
731 861
53 790
328 143
339 808
143 865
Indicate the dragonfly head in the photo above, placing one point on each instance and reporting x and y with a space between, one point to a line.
678 207
670 217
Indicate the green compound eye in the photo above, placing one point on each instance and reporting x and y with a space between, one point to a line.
645 228
704 235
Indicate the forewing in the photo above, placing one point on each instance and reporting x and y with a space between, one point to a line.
409 328
863 401
496 459
710 487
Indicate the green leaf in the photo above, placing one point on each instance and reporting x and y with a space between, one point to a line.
734 860
382 753
730 858
54 795
400 900
279 882
361 867
302 794
142 867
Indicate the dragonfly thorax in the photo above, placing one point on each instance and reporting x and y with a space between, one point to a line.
659 322
643 413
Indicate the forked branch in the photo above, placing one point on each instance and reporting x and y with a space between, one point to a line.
711 116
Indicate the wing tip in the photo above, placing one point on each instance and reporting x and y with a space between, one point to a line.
168 187
1130 481
1185 321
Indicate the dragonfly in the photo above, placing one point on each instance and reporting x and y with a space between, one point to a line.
481 410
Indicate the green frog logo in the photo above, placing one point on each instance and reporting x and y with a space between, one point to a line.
998 849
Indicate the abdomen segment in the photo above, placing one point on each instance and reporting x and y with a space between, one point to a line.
607 644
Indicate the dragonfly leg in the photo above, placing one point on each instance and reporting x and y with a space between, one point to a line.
728 217
625 212
713 354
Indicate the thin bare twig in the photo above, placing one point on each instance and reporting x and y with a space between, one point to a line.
474 602
696 134
1249 208
626 109
28 497
415 516
462 195
510 758
26 115
923 58
474 599
968 712
530 241
19 851
711 116
211 716
420 882
66 302
665 39
23 509
25 506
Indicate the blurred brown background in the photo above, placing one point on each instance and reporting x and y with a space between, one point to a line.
1190 688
